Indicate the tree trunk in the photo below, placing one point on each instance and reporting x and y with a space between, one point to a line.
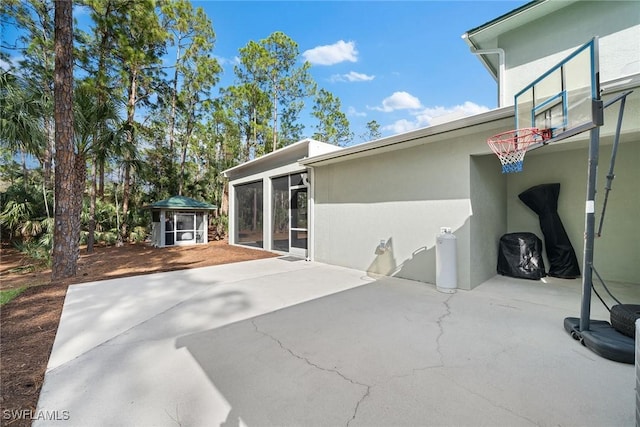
101 179
174 98
275 118
126 188
47 164
126 184
80 175
92 208
183 157
25 171
224 208
65 242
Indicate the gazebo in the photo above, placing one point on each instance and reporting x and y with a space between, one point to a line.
180 221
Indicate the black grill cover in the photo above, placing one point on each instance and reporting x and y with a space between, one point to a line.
520 255
543 200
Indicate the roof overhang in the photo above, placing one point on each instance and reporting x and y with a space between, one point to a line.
299 150
485 37
181 203
415 137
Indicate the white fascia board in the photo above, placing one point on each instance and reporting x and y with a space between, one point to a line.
397 141
267 157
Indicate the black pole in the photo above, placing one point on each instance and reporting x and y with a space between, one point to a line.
589 229
614 152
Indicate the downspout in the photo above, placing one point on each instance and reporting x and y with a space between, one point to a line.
501 69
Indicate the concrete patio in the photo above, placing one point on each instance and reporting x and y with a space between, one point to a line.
292 343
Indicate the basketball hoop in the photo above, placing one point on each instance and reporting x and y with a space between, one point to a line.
511 146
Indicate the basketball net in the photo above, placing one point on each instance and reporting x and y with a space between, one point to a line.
511 146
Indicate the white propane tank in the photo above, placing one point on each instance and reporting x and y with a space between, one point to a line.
446 265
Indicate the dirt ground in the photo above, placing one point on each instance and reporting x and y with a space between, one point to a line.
28 324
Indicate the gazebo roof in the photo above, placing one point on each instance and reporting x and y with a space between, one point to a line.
181 202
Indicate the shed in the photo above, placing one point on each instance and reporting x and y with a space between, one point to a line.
180 221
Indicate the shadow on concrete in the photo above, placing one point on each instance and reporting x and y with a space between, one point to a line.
315 363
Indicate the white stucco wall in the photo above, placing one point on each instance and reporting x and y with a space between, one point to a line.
489 219
403 197
534 48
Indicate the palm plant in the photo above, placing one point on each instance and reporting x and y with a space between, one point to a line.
21 124
96 135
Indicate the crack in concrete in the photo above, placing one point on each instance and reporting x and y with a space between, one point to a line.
441 328
439 321
310 363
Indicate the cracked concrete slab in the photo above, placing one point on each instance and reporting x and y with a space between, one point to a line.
304 344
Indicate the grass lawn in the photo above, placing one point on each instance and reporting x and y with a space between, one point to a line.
9 294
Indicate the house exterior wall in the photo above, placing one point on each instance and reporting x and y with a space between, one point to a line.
534 48
489 219
380 209
404 195
403 198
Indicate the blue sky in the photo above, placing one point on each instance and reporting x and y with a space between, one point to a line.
401 63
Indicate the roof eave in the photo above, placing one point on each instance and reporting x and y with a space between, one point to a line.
269 156
483 58
489 116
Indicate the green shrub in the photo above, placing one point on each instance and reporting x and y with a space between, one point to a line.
138 234
38 252
107 237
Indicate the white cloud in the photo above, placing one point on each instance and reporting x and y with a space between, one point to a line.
351 77
351 111
400 126
399 101
437 115
358 77
332 54
226 61
430 116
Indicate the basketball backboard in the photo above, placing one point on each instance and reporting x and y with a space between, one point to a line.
565 99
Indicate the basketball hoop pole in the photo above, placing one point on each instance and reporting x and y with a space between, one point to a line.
589 229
